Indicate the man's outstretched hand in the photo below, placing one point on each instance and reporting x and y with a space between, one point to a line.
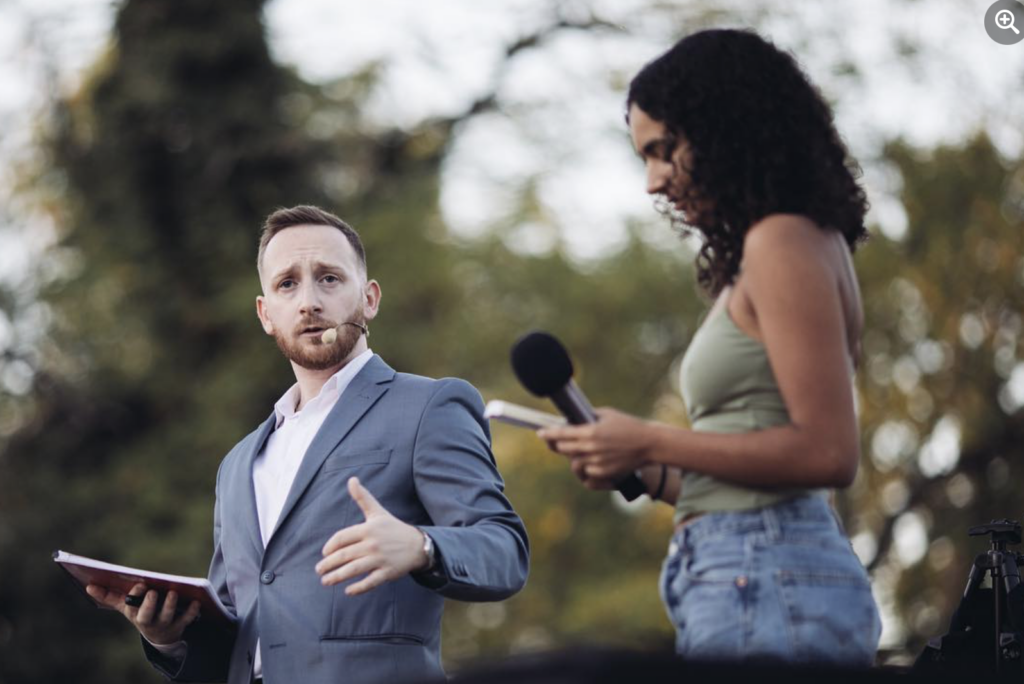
383 547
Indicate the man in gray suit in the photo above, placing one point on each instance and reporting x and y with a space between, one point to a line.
343 521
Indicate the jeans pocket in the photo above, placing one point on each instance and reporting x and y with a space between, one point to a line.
706 597
831 615
712 619
668 582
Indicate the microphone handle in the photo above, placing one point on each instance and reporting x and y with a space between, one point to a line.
573 404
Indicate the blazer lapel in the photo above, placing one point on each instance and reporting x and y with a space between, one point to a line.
362 393
251 513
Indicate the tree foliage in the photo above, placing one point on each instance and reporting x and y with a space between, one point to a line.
941 386
158 173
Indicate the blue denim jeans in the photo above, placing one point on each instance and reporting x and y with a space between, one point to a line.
776 583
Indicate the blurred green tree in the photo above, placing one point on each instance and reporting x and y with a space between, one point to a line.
159 172
942 382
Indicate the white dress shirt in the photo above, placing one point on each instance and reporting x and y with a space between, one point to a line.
275 466
274 469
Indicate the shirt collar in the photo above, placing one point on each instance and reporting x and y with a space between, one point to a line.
336 385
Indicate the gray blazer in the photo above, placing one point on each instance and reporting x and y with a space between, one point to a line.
422 448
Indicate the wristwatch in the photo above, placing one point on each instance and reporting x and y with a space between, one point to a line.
428 549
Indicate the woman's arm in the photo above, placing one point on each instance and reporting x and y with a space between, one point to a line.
664 488
662 482
790 280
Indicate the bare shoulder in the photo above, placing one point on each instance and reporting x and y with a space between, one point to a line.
780 234
788 252
792 264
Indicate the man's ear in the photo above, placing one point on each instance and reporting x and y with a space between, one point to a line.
371 299
261 312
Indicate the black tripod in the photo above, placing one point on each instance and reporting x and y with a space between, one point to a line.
985 631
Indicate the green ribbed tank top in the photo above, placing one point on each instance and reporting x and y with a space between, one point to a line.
728 386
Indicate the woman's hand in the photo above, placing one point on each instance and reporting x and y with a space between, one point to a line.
604 452
578 468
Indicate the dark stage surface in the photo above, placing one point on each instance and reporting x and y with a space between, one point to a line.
609 666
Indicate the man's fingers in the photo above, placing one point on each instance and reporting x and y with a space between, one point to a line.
137 593
130 608
368 504
148 609
371 581
343 538
167 611
107 597
188 617
346 572
95 591
153 619
338 558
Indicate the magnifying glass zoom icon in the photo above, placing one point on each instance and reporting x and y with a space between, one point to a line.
1005 20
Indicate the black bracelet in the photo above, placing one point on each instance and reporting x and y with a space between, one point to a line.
661 483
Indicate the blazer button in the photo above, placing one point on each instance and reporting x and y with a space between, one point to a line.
267 577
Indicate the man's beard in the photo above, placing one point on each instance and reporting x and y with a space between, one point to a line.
321 356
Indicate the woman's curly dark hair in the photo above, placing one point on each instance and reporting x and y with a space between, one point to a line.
762 140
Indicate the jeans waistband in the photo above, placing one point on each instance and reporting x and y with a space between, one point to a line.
812 510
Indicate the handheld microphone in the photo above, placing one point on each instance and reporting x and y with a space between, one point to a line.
544 368
330 336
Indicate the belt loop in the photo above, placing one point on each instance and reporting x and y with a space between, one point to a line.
673 543
770 520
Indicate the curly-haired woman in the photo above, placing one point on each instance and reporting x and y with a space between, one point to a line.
741 148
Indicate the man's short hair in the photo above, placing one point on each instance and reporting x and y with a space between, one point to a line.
307 215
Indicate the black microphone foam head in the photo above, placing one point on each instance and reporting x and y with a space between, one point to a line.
541 363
